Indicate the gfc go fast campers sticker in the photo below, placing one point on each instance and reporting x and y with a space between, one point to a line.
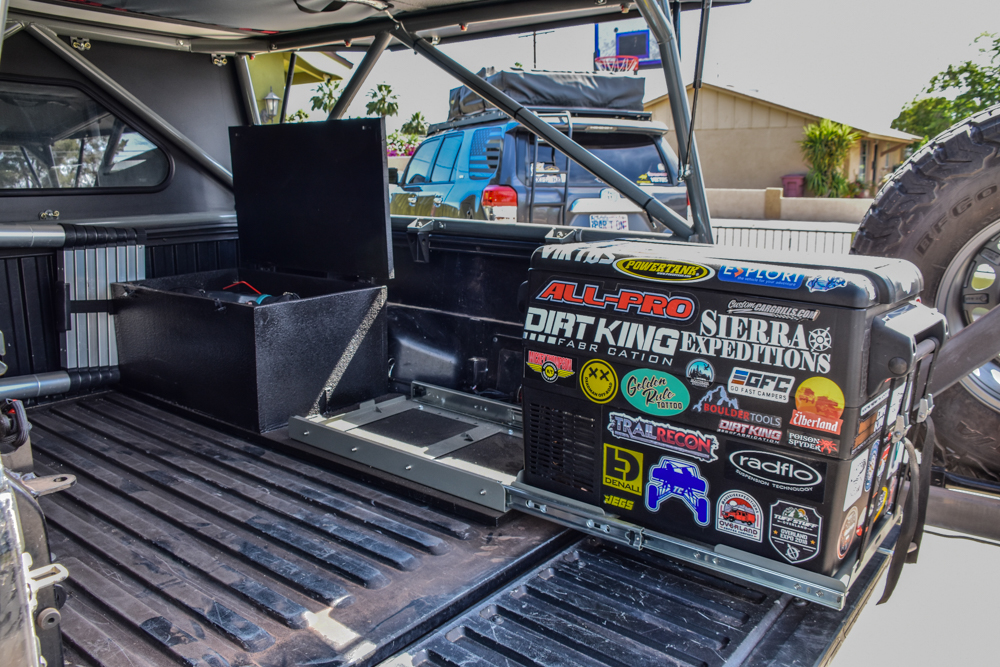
795 531
663 270
655 392
598 381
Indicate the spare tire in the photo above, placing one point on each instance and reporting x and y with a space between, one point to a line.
941 211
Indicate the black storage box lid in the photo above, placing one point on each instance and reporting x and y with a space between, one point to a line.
314 197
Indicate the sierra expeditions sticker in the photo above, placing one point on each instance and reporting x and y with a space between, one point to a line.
673 438
821 444
598 381
792 313
795 531
777 471
856 480
825 283
763 277
847 533
819 403
549 366
673 478
664 270
623 469
758 384
655 392
700 374
739 514
679 307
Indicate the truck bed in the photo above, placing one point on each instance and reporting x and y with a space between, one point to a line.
186 545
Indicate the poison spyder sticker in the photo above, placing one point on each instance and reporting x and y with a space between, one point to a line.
663 270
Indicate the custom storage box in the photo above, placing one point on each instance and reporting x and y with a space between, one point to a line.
721 396
315 243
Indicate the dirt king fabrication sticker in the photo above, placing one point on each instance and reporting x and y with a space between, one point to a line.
637 343
795 531
655 392
739 514
771 310
651 304
623 469
549 366
758 384
673 478
776 471
598 381
664 270
763 277
760 342
675 439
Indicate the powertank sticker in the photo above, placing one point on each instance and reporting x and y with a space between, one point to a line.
664 270
775 471
739 514
661 435
795 531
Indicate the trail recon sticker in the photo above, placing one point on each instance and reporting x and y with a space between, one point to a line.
652 304
739 514
549 366
672 478
598 381
795 531
664 270
655 392
663 436
623 469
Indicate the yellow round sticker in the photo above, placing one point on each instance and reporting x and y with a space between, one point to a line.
598 381
820 396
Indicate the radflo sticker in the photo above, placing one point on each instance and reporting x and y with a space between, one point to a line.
795 531
758 384
664 270
819 403
623 469
856 480
777 471
549 366
673 478
763 277
655 392
739 514
847 533
663 436
598 381
700 373
652 304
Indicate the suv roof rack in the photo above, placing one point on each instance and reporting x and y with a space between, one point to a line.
495 114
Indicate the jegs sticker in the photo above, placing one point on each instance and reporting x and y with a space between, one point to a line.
739 514
856 480
673 478
848 531
795 531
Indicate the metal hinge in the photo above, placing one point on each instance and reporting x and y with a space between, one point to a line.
563 235
418 235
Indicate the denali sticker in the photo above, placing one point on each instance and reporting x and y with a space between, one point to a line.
718 402
759 341
650 344
739 514
700 373
777 471
672 478
764 277
655 392
757 384
549 366
770 310
795 531
847 533
623 469
664 270
821 444
652 304
663 436
855 480
819 402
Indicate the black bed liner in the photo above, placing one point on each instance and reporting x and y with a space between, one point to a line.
186 545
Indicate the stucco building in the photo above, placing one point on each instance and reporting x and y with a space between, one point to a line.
745 141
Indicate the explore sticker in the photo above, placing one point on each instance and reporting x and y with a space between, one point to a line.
655 392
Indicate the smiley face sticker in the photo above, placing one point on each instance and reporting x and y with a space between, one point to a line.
598 381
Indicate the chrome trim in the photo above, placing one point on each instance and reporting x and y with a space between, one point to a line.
246 88
29 235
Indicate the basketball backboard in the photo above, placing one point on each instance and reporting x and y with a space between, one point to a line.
630 37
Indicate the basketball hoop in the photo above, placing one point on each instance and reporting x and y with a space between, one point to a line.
619 64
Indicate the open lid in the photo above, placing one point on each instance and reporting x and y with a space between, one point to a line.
314 197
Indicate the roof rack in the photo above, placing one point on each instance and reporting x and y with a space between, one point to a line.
493 115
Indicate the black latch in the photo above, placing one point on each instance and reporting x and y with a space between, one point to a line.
418 235
895 338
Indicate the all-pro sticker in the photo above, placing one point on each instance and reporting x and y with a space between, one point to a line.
598 381
795 531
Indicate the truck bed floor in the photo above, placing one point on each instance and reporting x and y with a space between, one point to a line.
188 546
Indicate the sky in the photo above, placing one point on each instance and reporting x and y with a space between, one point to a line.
854 61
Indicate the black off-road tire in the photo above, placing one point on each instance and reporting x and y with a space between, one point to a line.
940 206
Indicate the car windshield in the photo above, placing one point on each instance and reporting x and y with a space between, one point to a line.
635 156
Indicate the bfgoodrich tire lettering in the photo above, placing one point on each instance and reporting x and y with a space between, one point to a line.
937 211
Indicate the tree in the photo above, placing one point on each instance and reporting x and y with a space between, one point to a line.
417 125
825 147
299 116
327 94
383 101
977 85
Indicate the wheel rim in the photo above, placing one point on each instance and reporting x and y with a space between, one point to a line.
970 287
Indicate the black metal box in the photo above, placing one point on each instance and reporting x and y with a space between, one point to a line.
722 396
313 216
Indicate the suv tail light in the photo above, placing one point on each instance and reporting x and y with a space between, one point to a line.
500 203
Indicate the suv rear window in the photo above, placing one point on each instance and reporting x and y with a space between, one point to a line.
635 156
57 137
